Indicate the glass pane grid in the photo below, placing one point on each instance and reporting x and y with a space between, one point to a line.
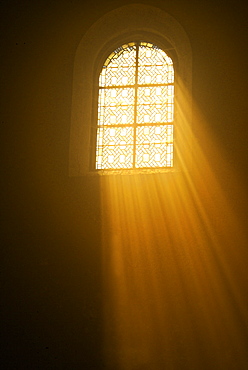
154 114
139 113
154 66
114 147
154 146
154 134
116 106
152 156
119 68
155 104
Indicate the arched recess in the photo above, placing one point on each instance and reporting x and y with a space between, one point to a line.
122 25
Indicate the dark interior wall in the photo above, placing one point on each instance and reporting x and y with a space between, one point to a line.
51 225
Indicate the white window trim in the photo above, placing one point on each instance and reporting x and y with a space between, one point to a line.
125 24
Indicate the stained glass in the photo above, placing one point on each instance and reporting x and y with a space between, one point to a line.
114 147
158 104
119 68
154 146
135 108
116 106
154 66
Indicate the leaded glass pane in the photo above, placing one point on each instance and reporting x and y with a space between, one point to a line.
154 66
116 106
119 68
114 147
135 105
154 135
154 156
155 104
154 146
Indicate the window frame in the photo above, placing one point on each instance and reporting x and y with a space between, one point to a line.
169 53
149 24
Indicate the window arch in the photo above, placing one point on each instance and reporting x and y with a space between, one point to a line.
135 108
149 24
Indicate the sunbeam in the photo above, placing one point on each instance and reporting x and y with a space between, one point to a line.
171 294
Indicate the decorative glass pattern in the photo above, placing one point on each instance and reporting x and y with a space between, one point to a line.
119 68
114 147
135 109
154 146
155 104
116 106
155 67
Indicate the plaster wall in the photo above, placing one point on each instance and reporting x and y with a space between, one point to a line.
55 286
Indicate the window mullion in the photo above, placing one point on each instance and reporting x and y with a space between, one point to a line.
135 104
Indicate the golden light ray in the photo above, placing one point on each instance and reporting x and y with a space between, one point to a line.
170 242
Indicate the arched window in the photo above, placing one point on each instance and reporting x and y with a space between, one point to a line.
142 120
135 109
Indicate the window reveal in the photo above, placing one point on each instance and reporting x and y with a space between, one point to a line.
135 109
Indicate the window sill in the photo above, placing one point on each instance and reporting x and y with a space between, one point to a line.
138 171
